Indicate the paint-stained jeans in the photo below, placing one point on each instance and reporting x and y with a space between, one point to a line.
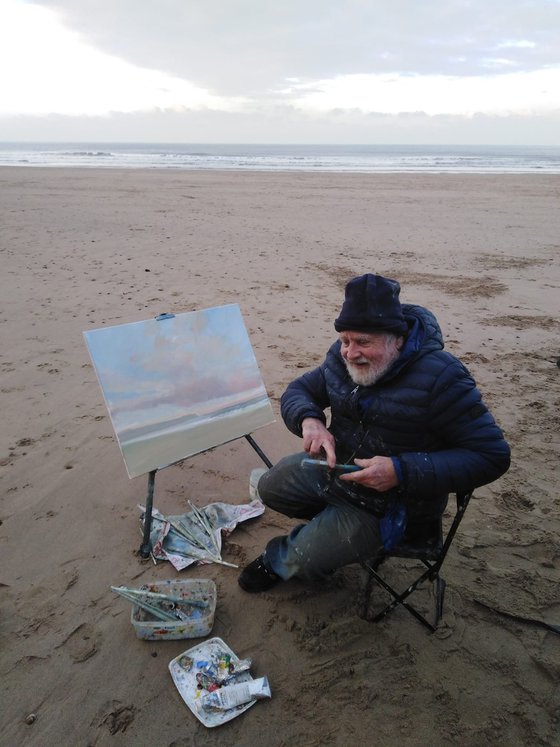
336 534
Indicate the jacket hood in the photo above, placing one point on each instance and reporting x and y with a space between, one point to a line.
424 336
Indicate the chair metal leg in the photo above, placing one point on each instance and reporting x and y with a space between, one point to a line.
440 594
363 607
427 546
363 610
398 599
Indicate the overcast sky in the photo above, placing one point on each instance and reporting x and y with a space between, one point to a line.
257 71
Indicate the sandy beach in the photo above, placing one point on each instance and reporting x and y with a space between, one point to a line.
82 249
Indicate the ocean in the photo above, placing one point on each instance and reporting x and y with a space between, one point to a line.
365 159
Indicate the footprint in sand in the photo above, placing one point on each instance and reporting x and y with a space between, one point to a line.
25 442
119 718
83 642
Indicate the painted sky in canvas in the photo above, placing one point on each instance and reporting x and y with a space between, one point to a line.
440 71
171 385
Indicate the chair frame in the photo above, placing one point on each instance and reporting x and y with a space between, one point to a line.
433 560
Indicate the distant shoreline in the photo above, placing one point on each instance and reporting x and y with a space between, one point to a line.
355 159
287 174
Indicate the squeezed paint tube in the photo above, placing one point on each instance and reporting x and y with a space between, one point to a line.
236 695
233 669
220 673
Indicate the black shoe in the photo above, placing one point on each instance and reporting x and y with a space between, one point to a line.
257 577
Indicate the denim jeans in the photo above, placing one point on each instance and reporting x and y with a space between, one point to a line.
337 533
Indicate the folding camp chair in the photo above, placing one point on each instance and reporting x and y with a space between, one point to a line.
423 542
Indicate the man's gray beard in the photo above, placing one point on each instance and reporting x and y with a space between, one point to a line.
369 376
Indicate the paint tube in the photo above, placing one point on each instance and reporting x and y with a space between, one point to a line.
236 695
221 672
228 671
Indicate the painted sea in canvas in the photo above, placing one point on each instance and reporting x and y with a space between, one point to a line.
177 386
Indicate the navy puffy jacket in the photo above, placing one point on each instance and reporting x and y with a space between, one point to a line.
426 411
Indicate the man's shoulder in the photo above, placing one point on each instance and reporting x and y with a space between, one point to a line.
437 361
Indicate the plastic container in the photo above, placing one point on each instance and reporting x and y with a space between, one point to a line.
183 670
201 619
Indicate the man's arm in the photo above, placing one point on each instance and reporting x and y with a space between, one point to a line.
305 397
474 451
302 406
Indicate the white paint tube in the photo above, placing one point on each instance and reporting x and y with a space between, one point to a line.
236 695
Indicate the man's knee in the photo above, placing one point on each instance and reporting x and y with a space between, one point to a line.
277 483
264 487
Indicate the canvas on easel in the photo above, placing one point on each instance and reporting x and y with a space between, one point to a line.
178 385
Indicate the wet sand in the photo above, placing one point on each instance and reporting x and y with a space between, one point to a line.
83 249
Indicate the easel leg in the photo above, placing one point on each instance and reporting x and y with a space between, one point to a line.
259 451
146 546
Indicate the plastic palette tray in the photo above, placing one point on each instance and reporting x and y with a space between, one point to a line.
184 669
201 619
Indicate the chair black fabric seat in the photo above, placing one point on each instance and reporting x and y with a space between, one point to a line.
423 541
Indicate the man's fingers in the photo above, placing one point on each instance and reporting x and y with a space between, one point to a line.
377 473
321 447
318 441
330 453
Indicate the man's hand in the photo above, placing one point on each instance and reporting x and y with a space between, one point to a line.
317 440
377 473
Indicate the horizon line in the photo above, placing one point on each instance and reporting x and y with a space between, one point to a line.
286 144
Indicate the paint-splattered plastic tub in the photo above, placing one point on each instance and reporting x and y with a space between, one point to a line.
201 619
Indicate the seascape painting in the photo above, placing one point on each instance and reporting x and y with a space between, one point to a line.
178 385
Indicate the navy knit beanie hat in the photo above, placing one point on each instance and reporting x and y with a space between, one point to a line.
372 304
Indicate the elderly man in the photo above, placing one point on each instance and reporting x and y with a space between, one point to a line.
403 412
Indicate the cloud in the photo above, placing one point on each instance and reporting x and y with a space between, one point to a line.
55 71
513 93
516 44
248 71
248 46
286 125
